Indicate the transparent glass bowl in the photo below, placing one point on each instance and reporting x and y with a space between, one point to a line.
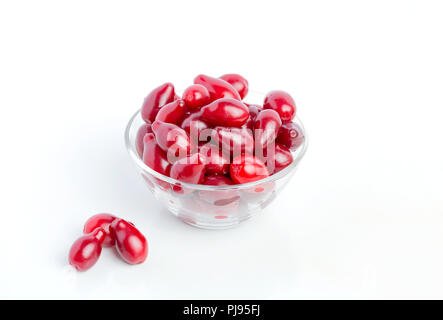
211 207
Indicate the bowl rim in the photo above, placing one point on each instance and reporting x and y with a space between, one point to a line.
130 147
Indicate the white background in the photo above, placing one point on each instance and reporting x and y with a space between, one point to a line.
362 217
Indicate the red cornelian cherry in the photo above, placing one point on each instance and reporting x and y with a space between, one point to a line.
154 157
233 141
283 157
281 102
101 220
194 126
156 99
217 180
172 139
190 169
238 82
253 112
196 96
130 243
266 127
290 135
225 112
86 250
172 112
144 129
249 124
247 168
217 88
216 162
279 159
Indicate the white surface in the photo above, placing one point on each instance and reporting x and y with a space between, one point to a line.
362 217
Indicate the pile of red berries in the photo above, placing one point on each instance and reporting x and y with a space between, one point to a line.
105 230
210 136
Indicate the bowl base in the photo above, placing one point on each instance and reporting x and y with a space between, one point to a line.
221 219
213 226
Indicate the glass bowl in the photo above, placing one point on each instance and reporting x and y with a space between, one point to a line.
212 207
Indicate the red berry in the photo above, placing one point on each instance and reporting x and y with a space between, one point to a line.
247 168
225 112
196 96
172 139
290 135
102 220
266 127
281 102
279 159
156 99
216 162
154 157
217 88
86 250
190 169
253 112
130 243
195 126
172 112
144 129
233 141
238 82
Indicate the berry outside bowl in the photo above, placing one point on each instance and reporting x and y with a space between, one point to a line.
212 207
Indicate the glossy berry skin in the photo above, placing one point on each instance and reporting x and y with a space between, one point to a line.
218 197
102 220
194 126
156 99
283 157
254 110
281 102
247 168
290 135
279 159
154 157
130 243
189 169
172 112
217 88
196 96
233 141
86 250
172 139
217 180
266 127
225 112
144 129
216 162
238 82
